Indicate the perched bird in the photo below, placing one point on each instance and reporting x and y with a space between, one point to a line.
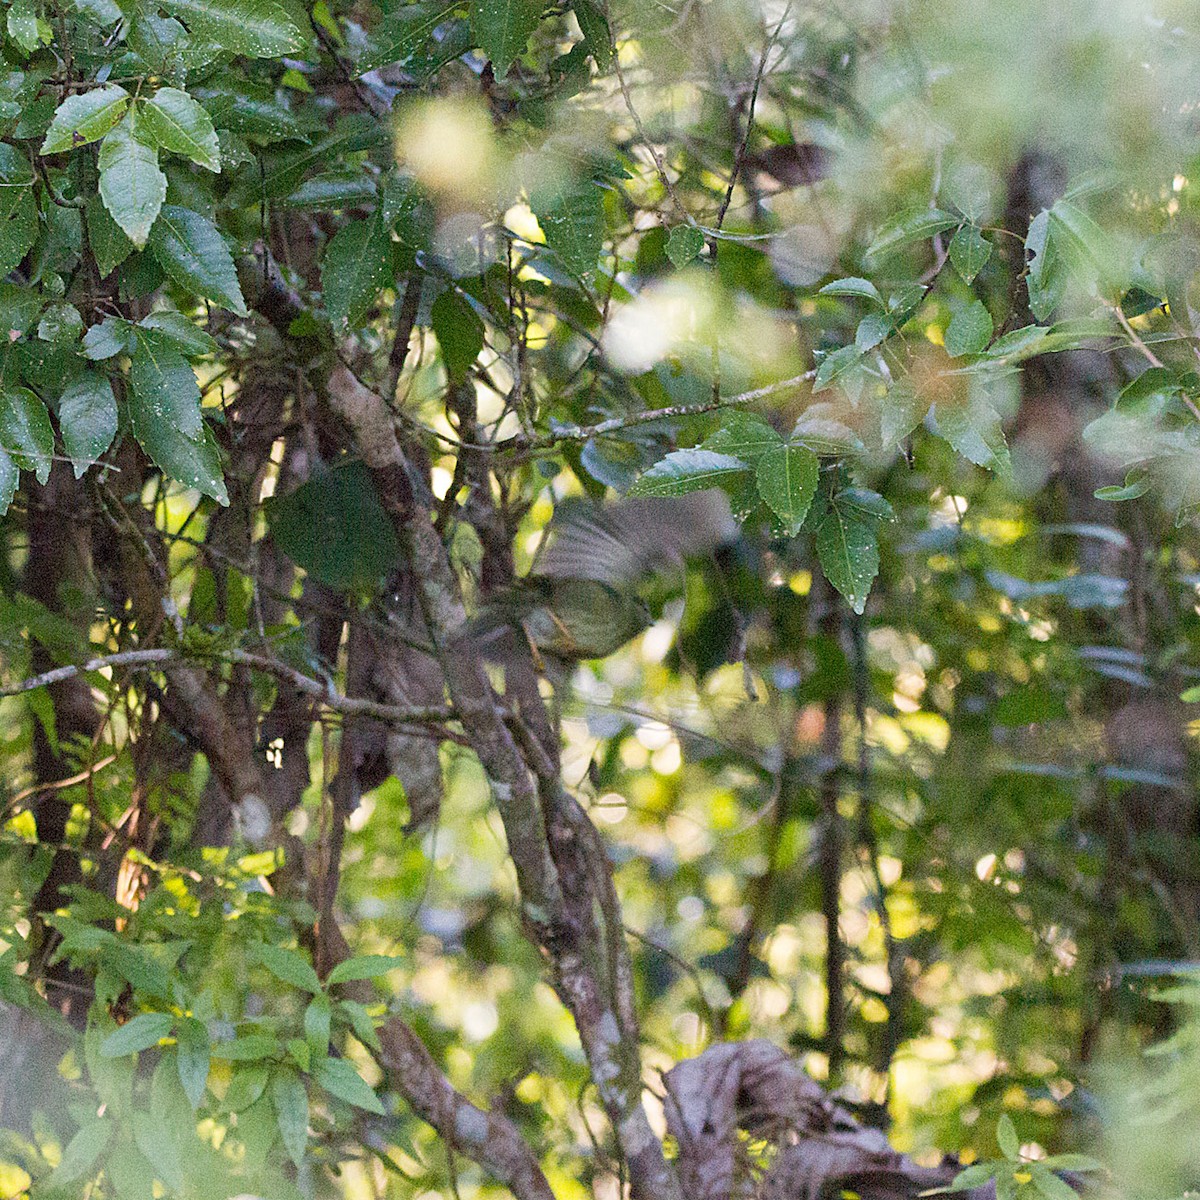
581 598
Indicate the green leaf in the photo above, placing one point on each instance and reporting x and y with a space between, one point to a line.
970 1177
459 333
131 185
903 410
863 502
1018 345
87 416
684 471
969 330
1006 1138
18 210
289 966
175 122
873 329
1045 280
909 227
402 32
572 218
742 436
364 966
974 430
787 481
138 1033
356 266
192 252
103 12
164 414
111 337
849 554
61 324
1136 485
1091 245
255 28
24 27
180 332
85 117
291 1112
1049 1185
246 1049
1073 1162
9 478
25 431
192 1058
360 1022
334 527
835 365
684 244
156 1140
502 29
339 1078
862 289
106 239
317 1017
969 252
597 36
333 190
163 387
80 1153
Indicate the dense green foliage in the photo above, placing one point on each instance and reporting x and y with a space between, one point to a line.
314 315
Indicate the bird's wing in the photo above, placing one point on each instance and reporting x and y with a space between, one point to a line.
621 543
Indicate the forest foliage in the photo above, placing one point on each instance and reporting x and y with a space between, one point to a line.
370 832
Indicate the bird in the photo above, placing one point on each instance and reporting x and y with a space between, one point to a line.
581 598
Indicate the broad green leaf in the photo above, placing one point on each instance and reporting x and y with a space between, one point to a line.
970 1177
873 329
256 28
1092 246
138 1033
175 122
291 1112
85 117
1049 1185
1006 1138
111 337
156 1140
742 436
60 324
684 244
459 333
835 365
131 185
81 1152
106 239
24 27
1136 485
246 1049
787 481
903 410
969 331
364 966
192 252
164 414
969 252
1018 345
334 527
288 965
19 307
18 210
402 32
502 29
597 36
25 431
1079 1162
356 266
103 12
128 1172
973 428
339 1078
334 190
360 1022
192 1058
849 554
87 416
1045 279
317 1017
180 332
684 471
862 289
910 227
863 502
9 478
163 386
572 217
